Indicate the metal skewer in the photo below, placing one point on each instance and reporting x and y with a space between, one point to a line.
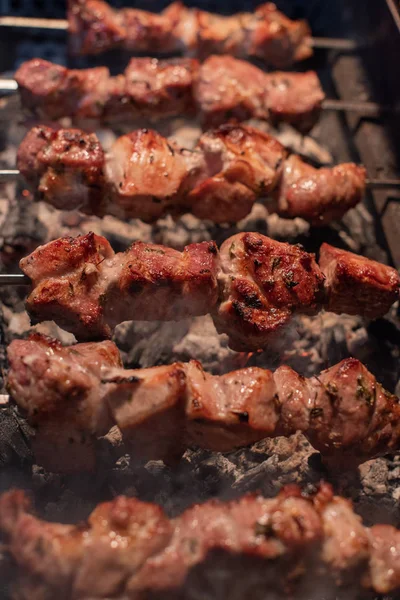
7 175
10 86
325 43
4 399
34 23
14 279
364 108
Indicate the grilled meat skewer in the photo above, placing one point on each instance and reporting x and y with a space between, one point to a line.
74 395
130 550
146 176
220 89
265 34
252 287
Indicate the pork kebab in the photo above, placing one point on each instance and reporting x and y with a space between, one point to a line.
252 287
146 176
265 34
220 89
73 396
264 547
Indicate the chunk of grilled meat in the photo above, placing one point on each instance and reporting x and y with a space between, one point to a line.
344 270
228 88
129 549
149 87
318 195
220 89
63 403
344 412
266 33
252 288
262 283
88 288
147 176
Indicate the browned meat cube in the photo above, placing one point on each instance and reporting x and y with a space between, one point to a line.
262 283
146 174
239 164
66 166
357 285
318 195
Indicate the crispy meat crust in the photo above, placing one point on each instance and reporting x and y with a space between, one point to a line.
344 271
220 89
252 287
129 549
147 176
263 283
265 34
160 411
89 289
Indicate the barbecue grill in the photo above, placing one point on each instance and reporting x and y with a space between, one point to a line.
357 76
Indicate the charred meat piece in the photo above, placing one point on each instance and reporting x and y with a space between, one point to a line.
318 195
149 87
145 175
228 88
263 282
58 390
355 283
252 288
130 549
160 411
220 89
65 167
51 91
238 165
161 87
294 98
91 289
265 34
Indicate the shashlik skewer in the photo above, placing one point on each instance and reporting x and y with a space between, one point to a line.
265 34
72 396
217 90
130 550
146 176
252 287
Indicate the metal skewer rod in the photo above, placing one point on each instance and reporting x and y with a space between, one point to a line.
10 86
4 399
7 175
365 108
327 43
383 183
34 23
14 279
62 25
